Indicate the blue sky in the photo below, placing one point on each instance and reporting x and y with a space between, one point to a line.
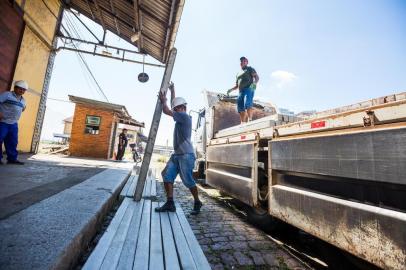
308 54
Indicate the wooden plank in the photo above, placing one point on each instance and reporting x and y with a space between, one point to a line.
185 255
154 126
136 170
132 187
147 191
194 246
153 188
124 191
128 252
171 258
96 258
113 253
156 255
141 260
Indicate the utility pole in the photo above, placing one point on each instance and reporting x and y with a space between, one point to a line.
154 127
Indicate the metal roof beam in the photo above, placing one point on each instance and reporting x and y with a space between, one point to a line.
97 44
111 57
90 9
138 23
101 18
168 29
115 17
152 15
87 28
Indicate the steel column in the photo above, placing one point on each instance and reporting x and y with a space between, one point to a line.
45 88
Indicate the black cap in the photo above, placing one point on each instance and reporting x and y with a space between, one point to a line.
243 58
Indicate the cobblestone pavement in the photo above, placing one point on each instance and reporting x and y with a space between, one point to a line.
227 240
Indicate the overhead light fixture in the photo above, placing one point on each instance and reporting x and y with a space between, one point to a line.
135 37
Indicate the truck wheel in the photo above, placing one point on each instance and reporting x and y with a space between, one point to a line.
200 169
262 219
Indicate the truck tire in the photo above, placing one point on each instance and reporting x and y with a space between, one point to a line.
201 170
261 219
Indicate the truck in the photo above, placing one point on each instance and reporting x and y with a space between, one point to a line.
339 175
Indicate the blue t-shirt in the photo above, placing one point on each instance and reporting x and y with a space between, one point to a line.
182 133
11 107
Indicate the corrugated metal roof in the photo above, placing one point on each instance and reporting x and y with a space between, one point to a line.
156 21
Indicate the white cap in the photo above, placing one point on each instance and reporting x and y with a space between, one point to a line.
178 101
21 84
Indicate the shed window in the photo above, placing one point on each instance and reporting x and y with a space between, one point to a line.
92 124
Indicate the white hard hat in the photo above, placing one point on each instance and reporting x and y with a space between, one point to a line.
21 84
178 101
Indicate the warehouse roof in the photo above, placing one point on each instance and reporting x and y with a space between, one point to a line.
154 22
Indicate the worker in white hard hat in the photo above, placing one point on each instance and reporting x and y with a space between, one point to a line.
182 161
12 104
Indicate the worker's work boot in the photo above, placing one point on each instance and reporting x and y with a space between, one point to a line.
196 208
169 206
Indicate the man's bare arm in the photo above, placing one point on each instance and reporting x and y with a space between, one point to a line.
256 77
232 89
165 108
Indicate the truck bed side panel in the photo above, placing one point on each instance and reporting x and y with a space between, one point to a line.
230 168
372 233
376 156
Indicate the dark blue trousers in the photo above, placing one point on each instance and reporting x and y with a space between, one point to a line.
9 135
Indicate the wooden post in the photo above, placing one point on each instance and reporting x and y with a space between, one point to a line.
154 127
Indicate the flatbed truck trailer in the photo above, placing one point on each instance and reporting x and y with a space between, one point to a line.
339 175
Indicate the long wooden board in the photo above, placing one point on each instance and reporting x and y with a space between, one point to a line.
140 238
154 126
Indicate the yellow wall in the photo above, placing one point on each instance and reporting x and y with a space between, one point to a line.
33 60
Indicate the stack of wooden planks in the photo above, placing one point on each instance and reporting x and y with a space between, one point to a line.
140 238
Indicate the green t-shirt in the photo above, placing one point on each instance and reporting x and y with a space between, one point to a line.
245 78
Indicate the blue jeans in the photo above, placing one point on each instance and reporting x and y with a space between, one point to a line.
9 135
245 99
182 165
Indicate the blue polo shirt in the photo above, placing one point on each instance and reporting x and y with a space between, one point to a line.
182 133
11 107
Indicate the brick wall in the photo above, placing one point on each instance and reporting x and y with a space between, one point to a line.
90 145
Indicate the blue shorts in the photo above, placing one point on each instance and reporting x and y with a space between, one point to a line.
182 165
245 99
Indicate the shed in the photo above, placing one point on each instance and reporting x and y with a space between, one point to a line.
94 127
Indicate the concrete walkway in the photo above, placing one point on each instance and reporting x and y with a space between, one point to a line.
64 200
43 176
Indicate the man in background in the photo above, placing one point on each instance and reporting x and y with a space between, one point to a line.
12 104
122 144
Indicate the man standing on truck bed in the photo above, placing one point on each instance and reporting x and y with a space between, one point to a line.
246 83
183 160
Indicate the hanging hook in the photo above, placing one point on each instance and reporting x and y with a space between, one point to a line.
143 77
143 62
